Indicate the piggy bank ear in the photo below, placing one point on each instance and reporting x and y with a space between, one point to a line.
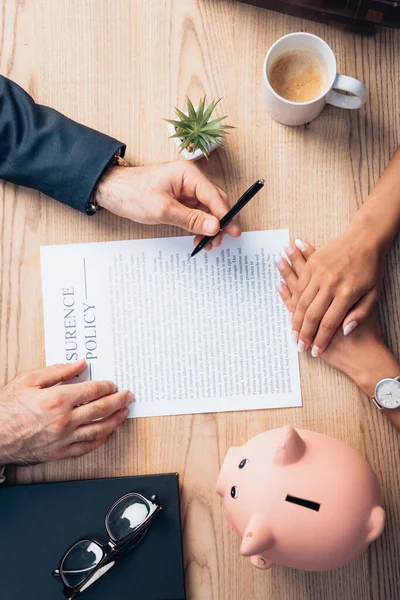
290 448
376 523
257 538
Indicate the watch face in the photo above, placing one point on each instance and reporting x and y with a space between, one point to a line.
387 393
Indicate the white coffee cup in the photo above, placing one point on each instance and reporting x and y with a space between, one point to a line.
298 113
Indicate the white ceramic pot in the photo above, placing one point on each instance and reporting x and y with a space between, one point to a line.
188 155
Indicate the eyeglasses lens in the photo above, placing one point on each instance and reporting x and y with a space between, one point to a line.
80 562
126 516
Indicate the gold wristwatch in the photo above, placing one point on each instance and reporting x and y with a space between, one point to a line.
93 206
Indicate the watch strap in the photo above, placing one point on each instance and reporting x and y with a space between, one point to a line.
93 206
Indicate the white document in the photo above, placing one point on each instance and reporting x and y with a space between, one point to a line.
205 334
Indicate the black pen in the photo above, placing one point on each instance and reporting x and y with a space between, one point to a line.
243 200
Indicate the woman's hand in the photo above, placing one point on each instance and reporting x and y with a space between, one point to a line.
175 193
344 352
362 356
338 285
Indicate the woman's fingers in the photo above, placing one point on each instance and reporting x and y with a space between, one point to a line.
299 312
330 322
299 259
305 248
101 408
312 319
288 274
316 314
296 258
360 311
284 293
296 279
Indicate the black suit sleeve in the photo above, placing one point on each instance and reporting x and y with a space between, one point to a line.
42 149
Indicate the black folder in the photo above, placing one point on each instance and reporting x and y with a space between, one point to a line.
39 522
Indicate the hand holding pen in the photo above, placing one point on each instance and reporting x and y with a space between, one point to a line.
241 203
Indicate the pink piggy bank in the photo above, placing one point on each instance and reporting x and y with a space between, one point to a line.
300 499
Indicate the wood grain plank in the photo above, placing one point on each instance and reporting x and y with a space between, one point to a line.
120 67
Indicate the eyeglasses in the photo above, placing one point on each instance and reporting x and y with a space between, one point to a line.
87 560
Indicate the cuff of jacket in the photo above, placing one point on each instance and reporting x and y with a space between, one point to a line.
97 152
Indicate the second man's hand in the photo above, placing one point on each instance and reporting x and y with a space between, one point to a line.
42 420
175 193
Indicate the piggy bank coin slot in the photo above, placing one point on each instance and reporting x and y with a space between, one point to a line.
301 502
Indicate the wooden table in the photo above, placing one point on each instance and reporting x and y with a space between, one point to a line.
119 67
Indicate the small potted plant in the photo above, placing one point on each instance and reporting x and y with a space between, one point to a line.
194 133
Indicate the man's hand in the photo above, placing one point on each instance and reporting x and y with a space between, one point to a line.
338 285
41 420
175 193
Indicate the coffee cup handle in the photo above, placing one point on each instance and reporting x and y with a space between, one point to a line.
343 83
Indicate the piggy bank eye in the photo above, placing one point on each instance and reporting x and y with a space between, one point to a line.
234 492
244 463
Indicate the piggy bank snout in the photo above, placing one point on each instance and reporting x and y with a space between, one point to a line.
226 472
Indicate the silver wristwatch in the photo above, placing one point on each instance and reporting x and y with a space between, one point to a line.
387 394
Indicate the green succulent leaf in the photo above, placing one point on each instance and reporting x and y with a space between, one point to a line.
214 121
209 111
195 144
219 142
176 123
204 148
181 115
191 111
177 135
197 130
200 111
208 139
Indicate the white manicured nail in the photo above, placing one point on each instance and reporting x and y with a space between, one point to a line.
280 287
301 346
315 352
350 327
280 264
289 249
301 245
295 336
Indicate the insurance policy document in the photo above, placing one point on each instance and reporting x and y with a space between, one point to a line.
205 334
